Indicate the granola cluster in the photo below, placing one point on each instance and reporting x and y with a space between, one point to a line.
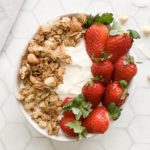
43 66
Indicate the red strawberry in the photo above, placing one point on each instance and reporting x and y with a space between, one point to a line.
68 113
118 46
125 68
102 70
93 92
116 92
97 121
95 38
72 128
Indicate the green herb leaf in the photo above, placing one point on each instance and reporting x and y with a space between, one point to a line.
105 18
79 107
114 111
77 128
134 34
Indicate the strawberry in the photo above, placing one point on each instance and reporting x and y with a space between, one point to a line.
93 93
102 70
118 46
68 113
97 121
77 107
95 39
72 128
116 92
125 69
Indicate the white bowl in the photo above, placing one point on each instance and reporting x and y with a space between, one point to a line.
61 136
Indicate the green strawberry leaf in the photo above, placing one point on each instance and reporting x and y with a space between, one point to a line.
124 94
139 62
90 21
115 29
98 78
77 128
123 84
79 107
105 18
134 34
92 56
129 60
90 83
114 111
102 58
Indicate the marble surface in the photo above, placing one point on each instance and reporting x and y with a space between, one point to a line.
130 132
9 10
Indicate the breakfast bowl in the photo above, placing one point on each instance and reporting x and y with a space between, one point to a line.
56 65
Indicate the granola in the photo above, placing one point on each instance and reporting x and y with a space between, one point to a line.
43 67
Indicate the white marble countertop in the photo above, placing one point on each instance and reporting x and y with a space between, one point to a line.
130 132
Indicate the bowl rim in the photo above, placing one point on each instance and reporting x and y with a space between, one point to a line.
16 91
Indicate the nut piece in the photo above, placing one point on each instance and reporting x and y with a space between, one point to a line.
33 80
123 19
32 59
50 81
146 30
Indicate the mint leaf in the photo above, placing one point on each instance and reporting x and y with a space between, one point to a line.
105 18
77 128
114 111
79 107
134 34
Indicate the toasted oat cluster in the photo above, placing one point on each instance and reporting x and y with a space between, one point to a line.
43 66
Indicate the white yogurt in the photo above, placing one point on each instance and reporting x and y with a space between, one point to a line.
77 73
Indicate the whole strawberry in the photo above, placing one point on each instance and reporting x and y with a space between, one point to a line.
125 68
68 113
119 42
118 46
102 70
95 39
72 128
116 92
97 121
93 92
